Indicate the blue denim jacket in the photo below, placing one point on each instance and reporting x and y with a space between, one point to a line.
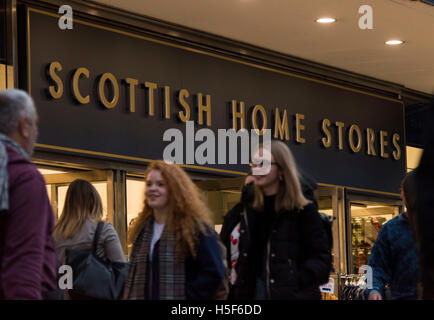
394 259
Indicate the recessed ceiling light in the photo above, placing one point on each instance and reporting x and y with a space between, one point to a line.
326 20
394 42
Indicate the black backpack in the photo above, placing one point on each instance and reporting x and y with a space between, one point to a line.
327 222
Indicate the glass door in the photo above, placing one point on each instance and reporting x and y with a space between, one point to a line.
366 216
329 199
221 195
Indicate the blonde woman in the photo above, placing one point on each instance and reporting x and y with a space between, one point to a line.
175 253
76 226
285 253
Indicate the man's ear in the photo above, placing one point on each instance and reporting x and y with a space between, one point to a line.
24 128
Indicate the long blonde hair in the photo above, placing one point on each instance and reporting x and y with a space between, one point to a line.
289 196
82 202
188 212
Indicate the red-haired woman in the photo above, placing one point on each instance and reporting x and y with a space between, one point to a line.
175 254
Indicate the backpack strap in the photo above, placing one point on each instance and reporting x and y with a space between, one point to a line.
98 230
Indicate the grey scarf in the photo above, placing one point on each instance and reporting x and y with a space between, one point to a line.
4 179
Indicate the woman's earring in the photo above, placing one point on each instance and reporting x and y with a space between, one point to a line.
280 178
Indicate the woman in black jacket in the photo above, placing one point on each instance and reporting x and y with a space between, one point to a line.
283 248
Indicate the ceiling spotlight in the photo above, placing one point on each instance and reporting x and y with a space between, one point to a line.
326 20
394 42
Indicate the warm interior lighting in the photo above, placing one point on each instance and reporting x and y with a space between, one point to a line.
326 20
394 42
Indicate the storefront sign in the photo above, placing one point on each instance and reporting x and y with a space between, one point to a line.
109 93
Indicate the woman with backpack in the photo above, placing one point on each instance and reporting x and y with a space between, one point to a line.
284 246
78 223
175 255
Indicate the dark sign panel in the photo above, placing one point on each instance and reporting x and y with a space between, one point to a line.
108 93
416 124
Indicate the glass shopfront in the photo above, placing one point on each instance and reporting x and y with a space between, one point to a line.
357 217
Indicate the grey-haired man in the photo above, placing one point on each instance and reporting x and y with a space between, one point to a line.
27 257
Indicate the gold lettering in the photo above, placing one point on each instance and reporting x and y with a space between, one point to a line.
238 115
184 116
281 126
151 86
299 127
101 92
370 139
260 108
397 152
53 67
325 125
167 101
204 108
132 84
75 87
359 138
340 126
383 143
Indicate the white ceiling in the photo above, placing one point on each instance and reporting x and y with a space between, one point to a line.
288 26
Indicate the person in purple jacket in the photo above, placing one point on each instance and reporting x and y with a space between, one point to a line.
27 257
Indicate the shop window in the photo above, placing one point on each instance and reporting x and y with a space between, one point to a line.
59 190
135 198
220 202
413 157
49 171
367 218
101 187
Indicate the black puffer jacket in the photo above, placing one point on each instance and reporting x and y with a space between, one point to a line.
297 256
298 259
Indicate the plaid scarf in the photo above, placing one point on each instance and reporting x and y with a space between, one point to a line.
172 272
4 179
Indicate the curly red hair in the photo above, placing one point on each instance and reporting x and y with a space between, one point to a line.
189 213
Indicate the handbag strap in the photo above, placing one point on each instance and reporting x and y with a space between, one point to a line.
244 214
96 236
